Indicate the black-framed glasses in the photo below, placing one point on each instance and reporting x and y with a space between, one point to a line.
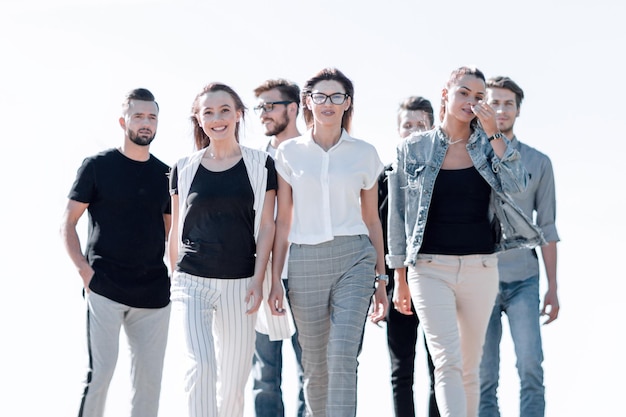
335 98
269 106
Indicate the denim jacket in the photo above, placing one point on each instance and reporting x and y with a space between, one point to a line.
411 182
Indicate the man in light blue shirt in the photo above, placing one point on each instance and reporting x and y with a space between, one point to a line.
518 295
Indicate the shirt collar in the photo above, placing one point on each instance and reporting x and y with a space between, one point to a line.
515 142
345 136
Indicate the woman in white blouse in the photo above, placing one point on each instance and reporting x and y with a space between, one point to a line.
328 219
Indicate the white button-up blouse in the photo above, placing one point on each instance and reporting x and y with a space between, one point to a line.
326 186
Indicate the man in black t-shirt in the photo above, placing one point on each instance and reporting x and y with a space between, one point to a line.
125 279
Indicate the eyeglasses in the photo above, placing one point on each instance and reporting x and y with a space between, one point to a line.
335 98
268 107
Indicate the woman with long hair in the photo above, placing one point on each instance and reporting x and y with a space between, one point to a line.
449 214
222 232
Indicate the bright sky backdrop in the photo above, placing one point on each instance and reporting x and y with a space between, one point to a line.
66 64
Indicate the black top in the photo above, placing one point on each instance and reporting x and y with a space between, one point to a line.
383 208
126 237
218 232
458 222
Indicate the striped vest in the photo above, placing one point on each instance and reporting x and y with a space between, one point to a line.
277 327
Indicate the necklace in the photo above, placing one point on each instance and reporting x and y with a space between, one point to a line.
449 141
208 154
452 142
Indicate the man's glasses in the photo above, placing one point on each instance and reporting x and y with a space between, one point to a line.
268 107
321 98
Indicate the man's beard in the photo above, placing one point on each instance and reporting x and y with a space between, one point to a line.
279 125
140 140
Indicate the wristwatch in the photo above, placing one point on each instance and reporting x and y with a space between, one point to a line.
383 277
496 136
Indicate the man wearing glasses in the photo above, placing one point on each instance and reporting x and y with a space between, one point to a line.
277 108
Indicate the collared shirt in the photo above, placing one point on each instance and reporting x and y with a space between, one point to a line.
538 201
326 185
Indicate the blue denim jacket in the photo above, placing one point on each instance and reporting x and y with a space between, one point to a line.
411 183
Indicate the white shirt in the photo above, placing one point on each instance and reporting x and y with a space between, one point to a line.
326 186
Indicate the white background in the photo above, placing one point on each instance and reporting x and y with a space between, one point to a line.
65 66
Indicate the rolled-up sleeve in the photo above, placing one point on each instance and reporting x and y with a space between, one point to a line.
546 203
510 170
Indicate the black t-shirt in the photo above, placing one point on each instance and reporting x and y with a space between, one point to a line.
458 222
126 238
218 231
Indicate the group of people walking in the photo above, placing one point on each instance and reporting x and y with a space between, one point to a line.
297 239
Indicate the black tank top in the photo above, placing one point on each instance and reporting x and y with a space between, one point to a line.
458 222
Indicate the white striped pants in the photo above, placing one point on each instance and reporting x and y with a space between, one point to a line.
219 339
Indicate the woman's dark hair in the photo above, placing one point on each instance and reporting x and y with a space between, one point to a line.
328 74
200 138
454 77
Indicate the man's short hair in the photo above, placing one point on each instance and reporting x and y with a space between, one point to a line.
418 103
288 90
138 94
508 84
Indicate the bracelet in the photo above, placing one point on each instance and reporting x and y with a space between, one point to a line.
496 136
382 277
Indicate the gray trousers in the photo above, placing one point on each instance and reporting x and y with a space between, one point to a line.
330 289
146 330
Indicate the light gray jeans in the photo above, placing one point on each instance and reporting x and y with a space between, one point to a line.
146 330
453 297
